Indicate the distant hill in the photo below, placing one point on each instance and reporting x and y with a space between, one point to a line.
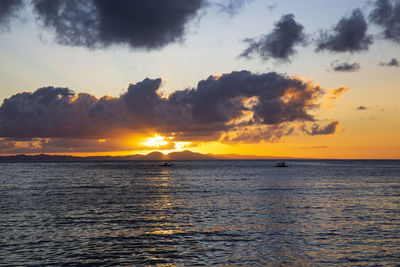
156 155
187 155
237 156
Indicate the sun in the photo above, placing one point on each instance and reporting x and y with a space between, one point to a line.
155 141
164 143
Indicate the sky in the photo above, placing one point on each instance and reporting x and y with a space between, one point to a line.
314 79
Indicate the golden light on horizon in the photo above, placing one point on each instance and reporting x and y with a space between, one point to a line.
181 145
155 141
164 143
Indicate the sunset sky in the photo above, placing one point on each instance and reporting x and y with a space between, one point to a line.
255 77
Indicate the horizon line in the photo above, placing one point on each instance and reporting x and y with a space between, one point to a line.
211 155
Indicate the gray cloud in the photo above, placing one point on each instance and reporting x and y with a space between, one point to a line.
149 24
345 67
330 128
236 104
220 100
349 35
9 10
386 13
280 43
392 63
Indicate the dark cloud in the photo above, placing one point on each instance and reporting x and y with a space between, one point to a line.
386 13
392 63
242 105
149 24
349 35
48 112
280 43
345 67
278 98
9 10
362 108
382 11
330 128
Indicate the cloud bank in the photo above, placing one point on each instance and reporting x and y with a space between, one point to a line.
280 43
225 108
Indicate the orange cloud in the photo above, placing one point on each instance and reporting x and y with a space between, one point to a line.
336 93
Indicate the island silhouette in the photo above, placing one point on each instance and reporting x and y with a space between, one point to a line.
155 155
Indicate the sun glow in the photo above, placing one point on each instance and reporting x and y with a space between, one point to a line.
181 145
155 141
164 143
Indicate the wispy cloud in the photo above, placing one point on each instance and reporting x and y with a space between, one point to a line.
362 108
336 93
266 133
345 67
316 129
272 7
392 63
232 7
8 11
386 13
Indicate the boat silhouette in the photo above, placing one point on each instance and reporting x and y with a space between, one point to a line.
281 164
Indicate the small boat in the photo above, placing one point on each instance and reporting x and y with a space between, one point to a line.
166 164
281 164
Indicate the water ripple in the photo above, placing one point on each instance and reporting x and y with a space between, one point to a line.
200 213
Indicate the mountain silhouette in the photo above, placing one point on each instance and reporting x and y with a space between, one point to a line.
155 155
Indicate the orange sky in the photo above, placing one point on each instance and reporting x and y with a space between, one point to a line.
163 93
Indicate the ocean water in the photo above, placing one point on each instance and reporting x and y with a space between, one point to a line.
200 213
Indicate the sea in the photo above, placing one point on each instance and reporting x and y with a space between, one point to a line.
204 212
